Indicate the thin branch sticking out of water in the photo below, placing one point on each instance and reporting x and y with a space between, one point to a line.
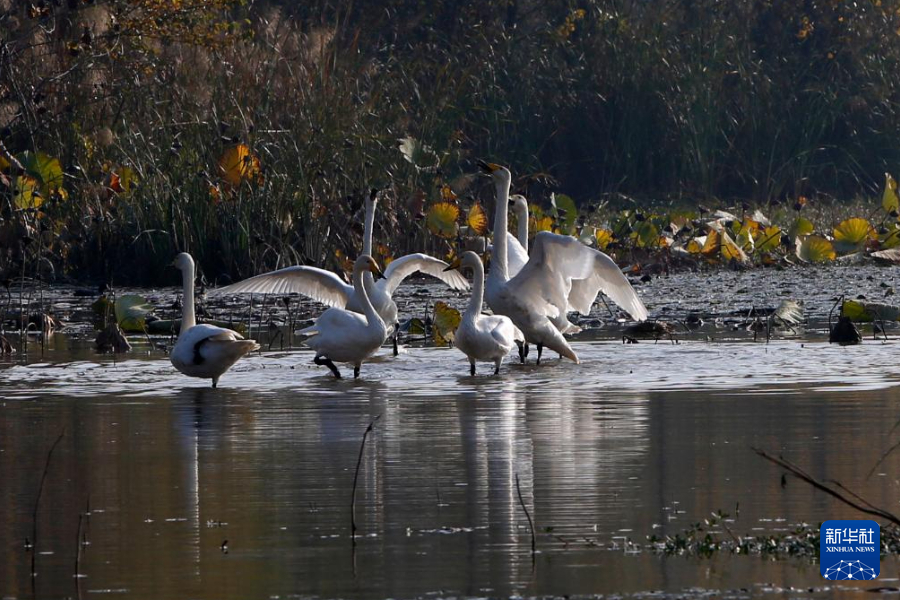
37 503
525 508
853 499
362 447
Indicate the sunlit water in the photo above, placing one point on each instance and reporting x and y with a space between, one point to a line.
244 491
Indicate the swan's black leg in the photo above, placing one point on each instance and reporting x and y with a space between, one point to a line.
526 350
497 370
356 372
215 382
324 360
472 368
522 351
396 339
540 349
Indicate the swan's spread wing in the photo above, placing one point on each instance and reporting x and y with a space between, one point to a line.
403 267
318 284
516 256
585 271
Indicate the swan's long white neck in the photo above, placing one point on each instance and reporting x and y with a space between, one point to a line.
372 317
522 225
188 319
477 298
501 221
368 232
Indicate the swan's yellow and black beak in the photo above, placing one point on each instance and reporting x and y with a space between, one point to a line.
374 269
488 167
457 262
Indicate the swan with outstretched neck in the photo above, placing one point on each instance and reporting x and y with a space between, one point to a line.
482 337
204 351
345 336
328 288
561 275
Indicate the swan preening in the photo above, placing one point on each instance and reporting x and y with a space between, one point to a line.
341 335
328 288
204 351
482 337
561 275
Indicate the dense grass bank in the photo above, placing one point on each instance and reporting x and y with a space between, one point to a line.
610 102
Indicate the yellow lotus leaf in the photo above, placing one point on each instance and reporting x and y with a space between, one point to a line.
4 164
441 219
769 239
26 192
731 251
712 244
869 311
719 243
815 249
238 164
477 220
889 200
751 225
446 320
536 224
603 237
851 235
695 246
801 227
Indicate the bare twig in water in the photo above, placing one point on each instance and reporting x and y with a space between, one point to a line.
525 508
362 447
856 501
79 543
37 503
884 456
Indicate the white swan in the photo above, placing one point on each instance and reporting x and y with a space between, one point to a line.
204 351
328 288
562 275
520 209
341 335
483 337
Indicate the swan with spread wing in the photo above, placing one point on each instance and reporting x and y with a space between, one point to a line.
328 288
561 275
342 335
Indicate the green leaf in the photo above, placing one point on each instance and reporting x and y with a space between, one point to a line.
869 311
45 169
645 235
131 313
769 239
564 211
889 200
801 227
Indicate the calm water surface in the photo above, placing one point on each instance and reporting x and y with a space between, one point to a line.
639 440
